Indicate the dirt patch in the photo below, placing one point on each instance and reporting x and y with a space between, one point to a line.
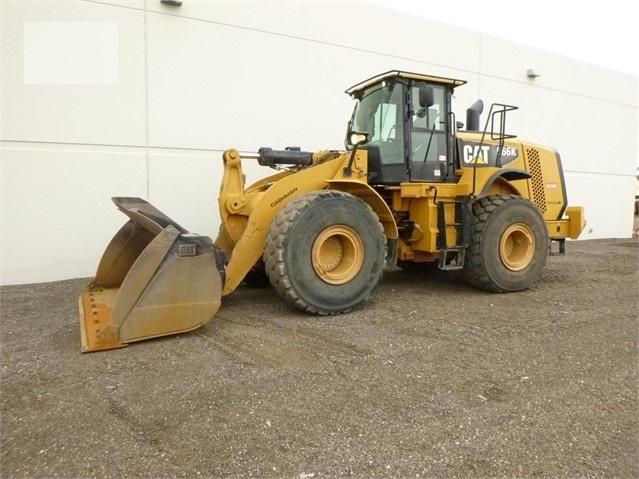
430 378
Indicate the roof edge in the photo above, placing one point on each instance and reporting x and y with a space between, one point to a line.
402 74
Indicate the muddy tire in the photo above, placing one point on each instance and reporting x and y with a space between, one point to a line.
325 252
508 244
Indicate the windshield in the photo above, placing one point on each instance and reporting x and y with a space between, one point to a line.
378 113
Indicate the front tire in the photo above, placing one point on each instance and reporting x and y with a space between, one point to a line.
508 244
325 252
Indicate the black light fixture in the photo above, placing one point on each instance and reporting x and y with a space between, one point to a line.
175 3
533 73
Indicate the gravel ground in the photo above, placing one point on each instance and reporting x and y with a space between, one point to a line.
430 378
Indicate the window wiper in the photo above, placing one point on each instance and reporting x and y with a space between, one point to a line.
430 139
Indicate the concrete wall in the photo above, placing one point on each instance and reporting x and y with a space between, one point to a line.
136 98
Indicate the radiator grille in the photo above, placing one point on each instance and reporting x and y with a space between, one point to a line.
539 193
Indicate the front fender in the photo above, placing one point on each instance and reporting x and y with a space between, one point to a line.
369 196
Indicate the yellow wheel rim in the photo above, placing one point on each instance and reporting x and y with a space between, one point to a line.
337 254
517 246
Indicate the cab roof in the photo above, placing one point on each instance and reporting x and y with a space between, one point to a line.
396 73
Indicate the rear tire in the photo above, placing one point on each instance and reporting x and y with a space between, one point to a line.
325 252
508 244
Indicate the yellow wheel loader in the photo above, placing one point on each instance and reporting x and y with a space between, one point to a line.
413 187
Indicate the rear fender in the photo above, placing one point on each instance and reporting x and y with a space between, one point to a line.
501 182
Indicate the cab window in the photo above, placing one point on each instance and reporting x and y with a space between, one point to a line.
428 139
379 113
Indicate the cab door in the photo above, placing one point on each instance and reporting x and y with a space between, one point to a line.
427 145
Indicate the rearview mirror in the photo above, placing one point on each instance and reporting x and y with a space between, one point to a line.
426 96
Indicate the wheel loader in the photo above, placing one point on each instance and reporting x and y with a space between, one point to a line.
413 187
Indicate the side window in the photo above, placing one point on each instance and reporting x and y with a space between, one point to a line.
388 132
385 122
428 141
387 117
432 117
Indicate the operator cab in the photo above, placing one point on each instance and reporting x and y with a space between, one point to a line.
410 126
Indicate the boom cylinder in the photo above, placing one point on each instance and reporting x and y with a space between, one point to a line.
271 157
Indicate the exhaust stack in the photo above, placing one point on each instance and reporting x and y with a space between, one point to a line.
472 115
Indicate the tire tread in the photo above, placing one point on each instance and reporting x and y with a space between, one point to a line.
274 255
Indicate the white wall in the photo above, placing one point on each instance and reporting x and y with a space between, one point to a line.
194 80
587 113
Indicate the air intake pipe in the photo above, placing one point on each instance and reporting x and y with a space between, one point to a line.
472 115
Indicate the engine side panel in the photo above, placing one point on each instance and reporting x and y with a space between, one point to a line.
547 183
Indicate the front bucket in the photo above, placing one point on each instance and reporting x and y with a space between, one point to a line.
154 279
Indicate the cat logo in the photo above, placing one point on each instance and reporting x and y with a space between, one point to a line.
480 154
476 154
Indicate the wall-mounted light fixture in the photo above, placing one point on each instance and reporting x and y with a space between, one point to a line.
175 3
532 73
